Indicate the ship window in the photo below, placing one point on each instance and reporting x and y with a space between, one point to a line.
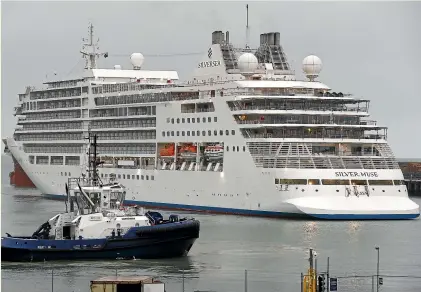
106 175
227 132
188 133
132 176
233 132
209 133
188 120
198 133
168 133
293 181
178 133
277 181
172 133
358 182
172 121
335 182
61 174
238 149
244 148
147 177
380 182
221 132
198 120
193 120
137 177
192 133
168 120
183 120
152 177
215 119
142 177
163 133
228 149
178 121
209 119
398 182
313 182
204 120
124 176
215 133
119 176
203 133
65 174
182 133
233 148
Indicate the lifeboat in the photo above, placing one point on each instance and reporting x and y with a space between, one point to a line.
188 151
168 150
214 152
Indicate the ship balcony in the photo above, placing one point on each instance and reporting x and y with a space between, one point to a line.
318 133
52 109
30 131
292 123
363 111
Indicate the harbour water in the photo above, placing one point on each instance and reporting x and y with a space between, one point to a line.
274 252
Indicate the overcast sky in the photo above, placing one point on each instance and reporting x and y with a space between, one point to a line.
369 49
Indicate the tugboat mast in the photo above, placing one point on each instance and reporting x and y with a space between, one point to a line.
93 160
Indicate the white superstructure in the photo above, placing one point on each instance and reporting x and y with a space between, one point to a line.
242 136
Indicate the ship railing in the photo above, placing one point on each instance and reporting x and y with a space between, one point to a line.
292 108
300 122
292 136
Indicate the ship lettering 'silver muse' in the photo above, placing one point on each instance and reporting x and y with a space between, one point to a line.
242 136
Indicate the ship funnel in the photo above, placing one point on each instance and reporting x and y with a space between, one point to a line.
217 37
271 38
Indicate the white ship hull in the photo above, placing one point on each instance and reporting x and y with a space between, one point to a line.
245 191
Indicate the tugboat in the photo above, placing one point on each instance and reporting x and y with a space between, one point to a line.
96 225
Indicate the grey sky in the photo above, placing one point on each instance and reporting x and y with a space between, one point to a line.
370 49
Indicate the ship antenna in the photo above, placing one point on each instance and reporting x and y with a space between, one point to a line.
247 27
89 50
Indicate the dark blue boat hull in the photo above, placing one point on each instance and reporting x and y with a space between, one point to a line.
165 241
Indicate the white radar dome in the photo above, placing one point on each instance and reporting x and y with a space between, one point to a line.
137 60
247 63
312 65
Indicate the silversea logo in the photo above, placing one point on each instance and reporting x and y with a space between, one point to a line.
356 174
208 64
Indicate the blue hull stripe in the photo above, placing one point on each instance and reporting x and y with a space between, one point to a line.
263 213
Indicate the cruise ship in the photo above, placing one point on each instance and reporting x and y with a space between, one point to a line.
242 136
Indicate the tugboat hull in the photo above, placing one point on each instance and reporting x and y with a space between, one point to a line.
160 241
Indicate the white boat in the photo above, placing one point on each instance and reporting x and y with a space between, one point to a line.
290 147
214 152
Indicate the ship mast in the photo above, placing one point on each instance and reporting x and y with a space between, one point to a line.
93 177
247 27
90 50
